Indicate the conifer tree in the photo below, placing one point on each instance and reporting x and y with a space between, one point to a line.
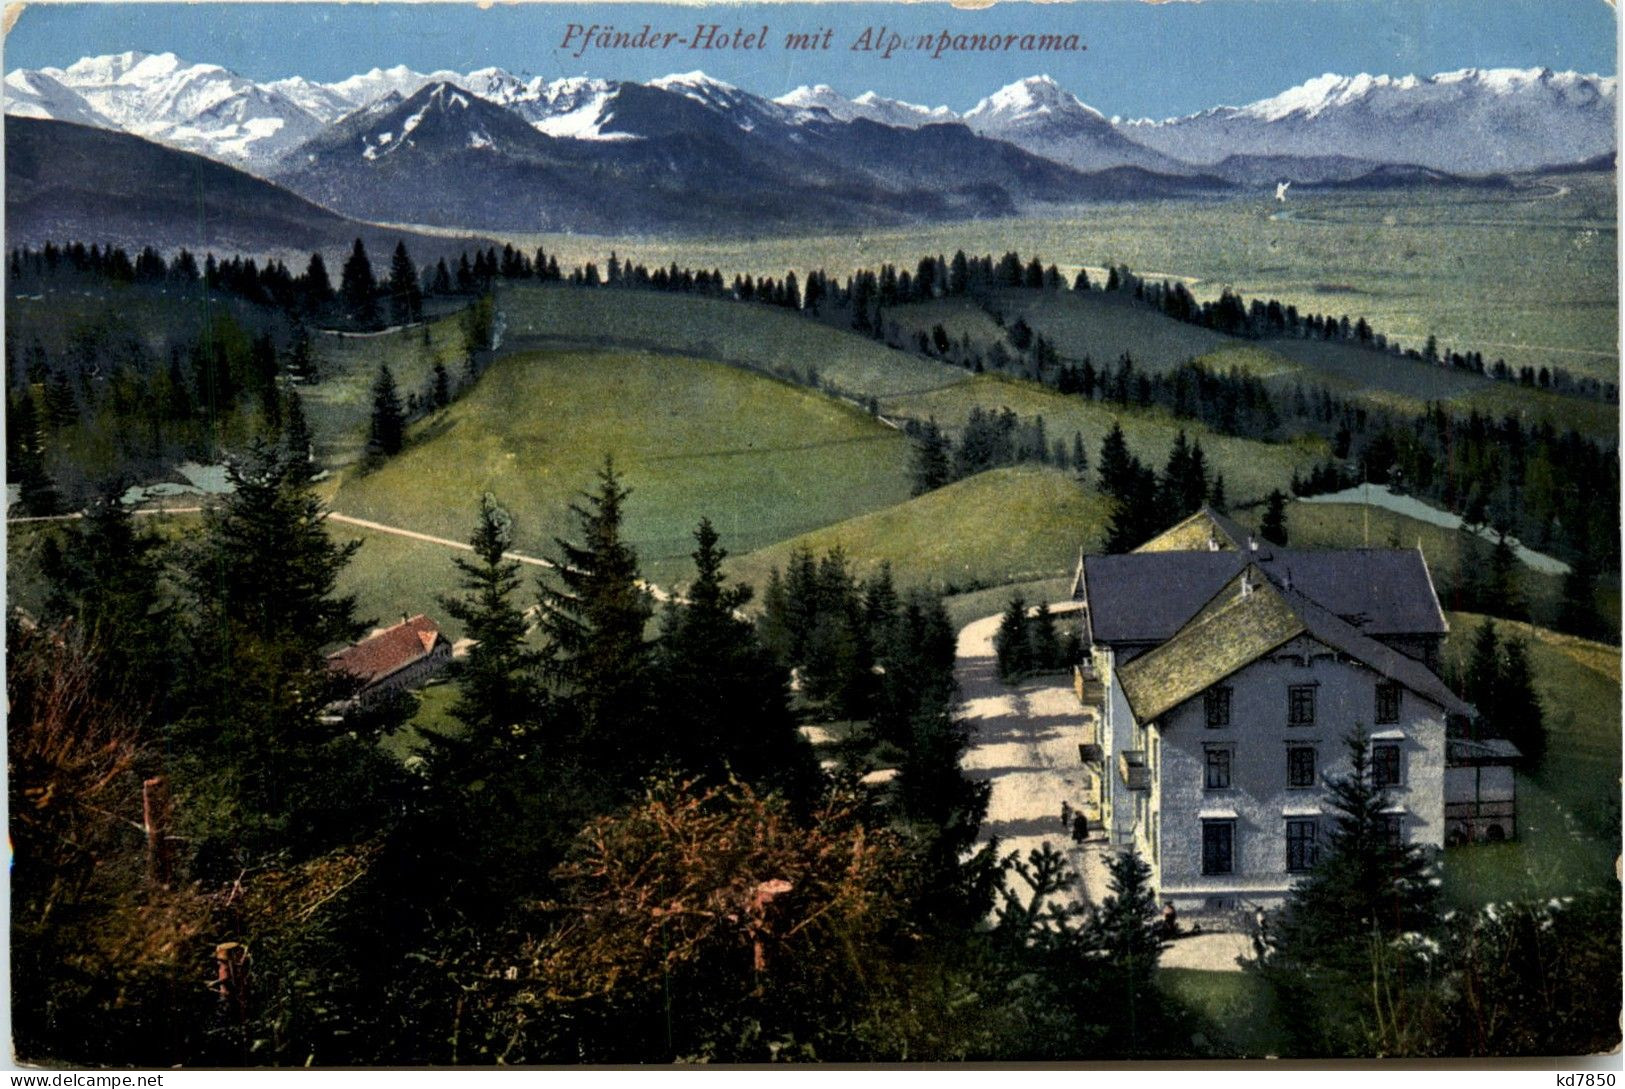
357 289
1330 946
1127 926
441 394
1505 586
25 458
595 656
727 703
296 438
931 467
1013 643
1273 528
405 295
263 609
1116 466
1517 708
1577 610
1045 645
498 699
388 429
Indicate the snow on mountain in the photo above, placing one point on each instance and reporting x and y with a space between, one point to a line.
197 107
35 94
1026 100
575 108
316 99
869 105
1038 115
367 87
1470 121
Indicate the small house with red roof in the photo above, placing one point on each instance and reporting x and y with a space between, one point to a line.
403 656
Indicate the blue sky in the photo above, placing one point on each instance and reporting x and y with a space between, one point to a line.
1141 59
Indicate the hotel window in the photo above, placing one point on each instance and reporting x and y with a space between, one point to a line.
1300 705
1388 702
1393 828
1300 766
1218 847
1385 764
1302 845
1218 707
1218 769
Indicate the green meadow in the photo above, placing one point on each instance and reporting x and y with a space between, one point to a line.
762 459
1525 271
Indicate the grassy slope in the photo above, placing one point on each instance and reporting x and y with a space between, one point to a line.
760 337
1250 468
1007 525
1568 808
692 439
1103 327
339 405
1523 273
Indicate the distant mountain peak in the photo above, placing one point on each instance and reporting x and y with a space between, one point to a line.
1034 96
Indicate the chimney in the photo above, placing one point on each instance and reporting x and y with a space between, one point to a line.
1212 543
1252 543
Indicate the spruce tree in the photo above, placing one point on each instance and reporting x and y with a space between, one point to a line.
498 699
357 289
1045 645
263 609
25 459
405 294
727 702
296 438
1517 710
596 659
1127 927
1273 528
388 430
931 468
1505 586
1328 952
1013 643
441 395
1577 610
1116 466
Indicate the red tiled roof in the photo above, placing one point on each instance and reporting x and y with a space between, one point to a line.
388 651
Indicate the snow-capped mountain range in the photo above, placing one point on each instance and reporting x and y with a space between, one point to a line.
1472 121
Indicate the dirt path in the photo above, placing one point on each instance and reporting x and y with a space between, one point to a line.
1025 740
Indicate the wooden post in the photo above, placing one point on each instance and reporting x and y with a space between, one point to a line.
155 817
766 893
231 978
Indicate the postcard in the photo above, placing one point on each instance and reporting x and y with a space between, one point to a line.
569 534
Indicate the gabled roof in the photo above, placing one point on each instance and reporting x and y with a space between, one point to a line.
1380 591
1205 531
389 651
1233 633
1145 597
1237 628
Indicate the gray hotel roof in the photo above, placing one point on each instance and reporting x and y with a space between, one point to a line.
1146 597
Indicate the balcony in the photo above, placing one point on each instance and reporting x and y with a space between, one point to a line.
1132 767
1086 684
